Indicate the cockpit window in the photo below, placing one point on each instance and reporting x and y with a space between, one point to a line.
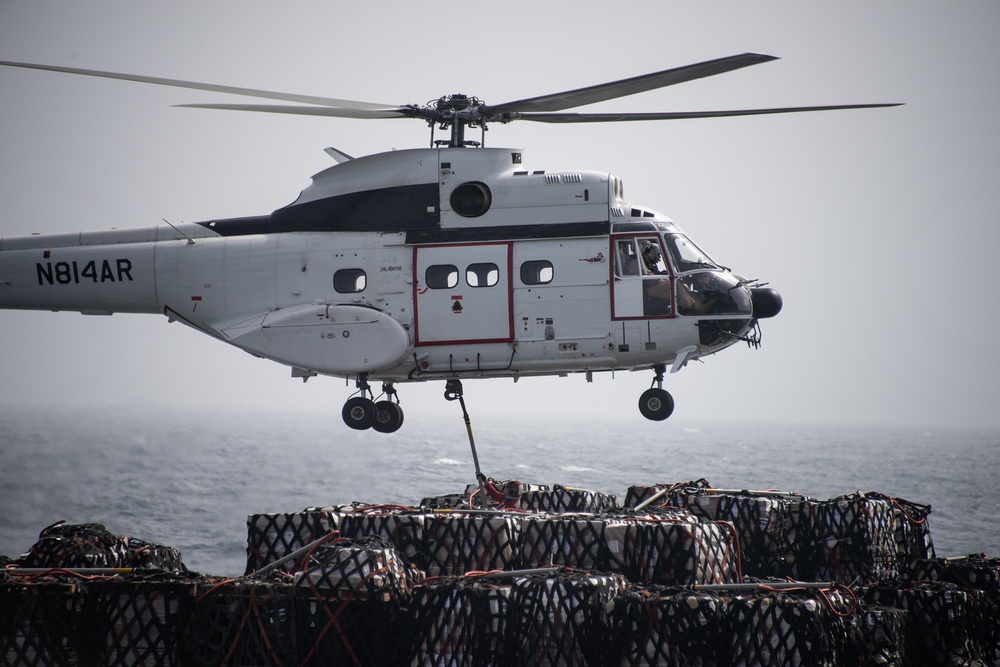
628 260
640 257
686 256
712 293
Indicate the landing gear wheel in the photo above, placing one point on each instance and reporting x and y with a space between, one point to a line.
388 417
656 404
359 413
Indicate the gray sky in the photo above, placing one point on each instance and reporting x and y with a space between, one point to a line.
879 227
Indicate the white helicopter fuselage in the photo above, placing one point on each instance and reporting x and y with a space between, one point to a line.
407 266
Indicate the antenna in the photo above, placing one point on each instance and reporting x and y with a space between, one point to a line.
190 240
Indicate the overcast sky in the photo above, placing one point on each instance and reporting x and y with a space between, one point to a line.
879 227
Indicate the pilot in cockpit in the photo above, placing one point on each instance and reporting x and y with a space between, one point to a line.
651 258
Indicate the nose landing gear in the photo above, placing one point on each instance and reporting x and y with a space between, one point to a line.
363 412
656 403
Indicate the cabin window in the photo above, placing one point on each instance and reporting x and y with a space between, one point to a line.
349 281
536 272
482 275
441 276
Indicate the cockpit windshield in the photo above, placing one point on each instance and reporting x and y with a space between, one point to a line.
686 256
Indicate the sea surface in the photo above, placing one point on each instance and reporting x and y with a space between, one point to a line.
189 478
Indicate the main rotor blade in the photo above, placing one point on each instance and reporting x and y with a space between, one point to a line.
232 90
340 112
677 115
637 84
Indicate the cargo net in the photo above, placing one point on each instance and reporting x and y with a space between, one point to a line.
947 625
561 619
90 545
266 622
680 554
669 495
583 542
881 636
136 621
401 527
657 626
565 499
975 571
457 544
659 546
845 539
457 621
271 537
354 590
759 518
40 623
367 568
245 623
789 628
505 494
911 532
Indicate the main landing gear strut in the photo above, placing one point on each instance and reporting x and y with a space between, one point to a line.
364 411
656 403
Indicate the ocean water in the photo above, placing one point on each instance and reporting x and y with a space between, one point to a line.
188 479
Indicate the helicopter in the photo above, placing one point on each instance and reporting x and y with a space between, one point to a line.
446 262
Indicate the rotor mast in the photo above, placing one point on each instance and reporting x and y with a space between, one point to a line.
454 112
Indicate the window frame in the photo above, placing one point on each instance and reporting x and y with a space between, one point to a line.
538 274
358 274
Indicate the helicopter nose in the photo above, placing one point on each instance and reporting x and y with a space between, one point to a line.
766 302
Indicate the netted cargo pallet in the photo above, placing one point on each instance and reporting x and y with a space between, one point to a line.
77 545
679 554
880 636
661 627
403 528
136 621
564 499
360 569
948 625
759 517
456 621
245 623
663 494
144 555
40 622
974 571
788 629
349 632
845 539
271 537
457 543
91 545
911 531
579 541
561 619
352 593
